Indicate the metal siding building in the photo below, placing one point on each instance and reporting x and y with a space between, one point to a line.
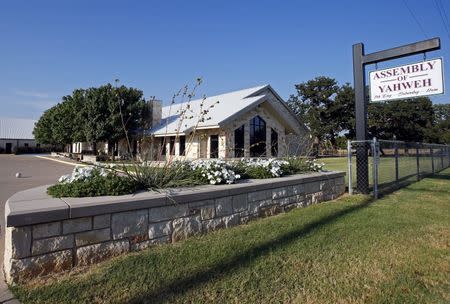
16 132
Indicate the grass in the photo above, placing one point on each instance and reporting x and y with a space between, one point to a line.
351 250
386 169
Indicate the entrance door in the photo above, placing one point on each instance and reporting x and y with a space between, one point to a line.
214 146
8 148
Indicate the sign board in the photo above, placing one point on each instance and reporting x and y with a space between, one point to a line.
407 81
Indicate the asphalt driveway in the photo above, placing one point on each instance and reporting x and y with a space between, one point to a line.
35 172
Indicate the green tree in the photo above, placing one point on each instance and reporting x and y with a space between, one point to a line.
43 129
315 105
106 113
406 119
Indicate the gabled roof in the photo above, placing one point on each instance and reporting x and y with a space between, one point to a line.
224 107
16 128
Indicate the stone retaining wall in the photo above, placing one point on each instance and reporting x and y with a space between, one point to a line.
46 235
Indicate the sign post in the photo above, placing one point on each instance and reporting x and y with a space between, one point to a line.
360 60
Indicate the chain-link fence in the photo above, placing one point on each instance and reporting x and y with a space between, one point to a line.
376 166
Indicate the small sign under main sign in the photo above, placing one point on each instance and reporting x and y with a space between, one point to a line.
407 81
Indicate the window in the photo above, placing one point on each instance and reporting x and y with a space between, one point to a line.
172 145
38 145
163 146
257 137
274 142
214 146
239 142
182 145
25 145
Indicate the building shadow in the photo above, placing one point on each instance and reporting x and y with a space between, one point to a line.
180 286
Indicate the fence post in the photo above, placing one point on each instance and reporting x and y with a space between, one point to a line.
417 161
448 155
432 160
375 167
396 161
349 174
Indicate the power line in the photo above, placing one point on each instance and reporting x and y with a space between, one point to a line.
442 18
415 19
445 13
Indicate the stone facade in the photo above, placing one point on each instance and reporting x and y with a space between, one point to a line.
198 145
55 246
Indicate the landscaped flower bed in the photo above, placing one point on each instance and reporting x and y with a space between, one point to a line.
100 180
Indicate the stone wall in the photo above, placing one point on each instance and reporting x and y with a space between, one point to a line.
46 235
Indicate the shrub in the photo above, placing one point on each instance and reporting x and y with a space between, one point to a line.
171 174
214 171
260 168
92 182
295 165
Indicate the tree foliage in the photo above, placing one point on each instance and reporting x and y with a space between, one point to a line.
329 112
325 107
94 114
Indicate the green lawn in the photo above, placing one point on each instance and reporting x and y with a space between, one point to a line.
386 169
351 250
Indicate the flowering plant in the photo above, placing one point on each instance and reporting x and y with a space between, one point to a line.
82 173
260 168
215 171
314 165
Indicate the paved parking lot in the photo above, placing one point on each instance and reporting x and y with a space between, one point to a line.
35 172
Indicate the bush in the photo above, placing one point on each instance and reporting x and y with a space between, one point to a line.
214 171
171 174
259 168
96 184
295 165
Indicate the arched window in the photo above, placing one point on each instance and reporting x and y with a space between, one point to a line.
257 137
274 143
239 141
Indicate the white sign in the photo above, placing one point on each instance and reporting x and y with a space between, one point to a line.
406 81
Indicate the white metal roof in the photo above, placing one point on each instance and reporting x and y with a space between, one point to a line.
16 128
228 105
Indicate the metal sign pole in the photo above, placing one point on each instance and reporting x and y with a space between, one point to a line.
360 60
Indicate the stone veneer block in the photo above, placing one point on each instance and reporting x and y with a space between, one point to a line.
281 192
146 244
259 195
92 237
56 243
208 212
186 227
77 225
224 206
102 221
254 207
159 229
29 268
239 202
130 223
46 230
232 220
298 189
167 212
214 224
18 241
312 187
92 254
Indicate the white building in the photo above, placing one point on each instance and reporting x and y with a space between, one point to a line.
254 122
16 133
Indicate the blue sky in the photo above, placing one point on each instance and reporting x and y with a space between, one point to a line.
49 48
